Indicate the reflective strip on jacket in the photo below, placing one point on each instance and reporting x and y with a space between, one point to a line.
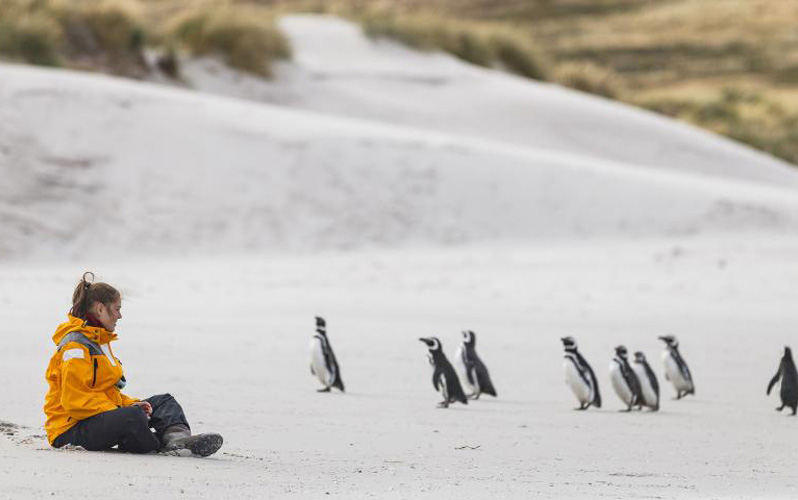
84 377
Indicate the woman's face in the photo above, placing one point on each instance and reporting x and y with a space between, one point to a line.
109 314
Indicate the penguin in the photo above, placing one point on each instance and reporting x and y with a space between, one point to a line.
649 386
789 382
624 380
444 379
322 360
472 369
580 377
676 370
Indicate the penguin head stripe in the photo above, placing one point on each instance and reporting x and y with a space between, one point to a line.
569 343
670 340
432 342
468 337
321 325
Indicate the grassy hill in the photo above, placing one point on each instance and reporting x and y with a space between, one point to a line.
730 66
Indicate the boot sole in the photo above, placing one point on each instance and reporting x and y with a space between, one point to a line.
206 445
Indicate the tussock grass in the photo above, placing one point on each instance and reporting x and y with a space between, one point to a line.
743 115
111 26
111 35
28 35
629 49
480 44
244 36
591 78
106 33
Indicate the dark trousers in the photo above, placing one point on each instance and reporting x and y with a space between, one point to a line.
127 428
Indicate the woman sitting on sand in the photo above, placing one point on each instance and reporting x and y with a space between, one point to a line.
85 405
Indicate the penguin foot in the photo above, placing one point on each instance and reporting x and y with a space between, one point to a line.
780 408
581 408
326 389
443 404
473 396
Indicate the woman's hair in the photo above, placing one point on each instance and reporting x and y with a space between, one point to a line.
87 293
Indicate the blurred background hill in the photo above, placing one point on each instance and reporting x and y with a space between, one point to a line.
730 66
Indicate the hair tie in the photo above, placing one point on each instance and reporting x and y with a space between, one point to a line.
87 283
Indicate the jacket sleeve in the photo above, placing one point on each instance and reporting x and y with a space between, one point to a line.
127 400
78 397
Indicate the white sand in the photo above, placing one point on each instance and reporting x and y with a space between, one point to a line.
228 225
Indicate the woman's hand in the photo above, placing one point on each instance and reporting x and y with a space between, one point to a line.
145 407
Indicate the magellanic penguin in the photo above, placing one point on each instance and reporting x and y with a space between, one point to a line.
471 368
789 382
624 380
444 379
580 377
676 370
322 360
649 386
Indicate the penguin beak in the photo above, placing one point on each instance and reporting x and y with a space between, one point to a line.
426 341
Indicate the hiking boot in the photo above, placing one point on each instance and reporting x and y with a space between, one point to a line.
178 441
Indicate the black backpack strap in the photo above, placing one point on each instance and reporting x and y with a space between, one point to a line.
81 339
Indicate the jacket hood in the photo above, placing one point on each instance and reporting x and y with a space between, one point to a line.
73 324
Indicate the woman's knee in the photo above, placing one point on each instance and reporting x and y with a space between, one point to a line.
138 437
133 416
160 399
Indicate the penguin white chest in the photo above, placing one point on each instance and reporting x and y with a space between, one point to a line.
581 390
674 373
622 389
318 363
650 397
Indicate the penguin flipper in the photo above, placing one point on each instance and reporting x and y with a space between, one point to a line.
594 382
436 376
312 371
471 374
773 381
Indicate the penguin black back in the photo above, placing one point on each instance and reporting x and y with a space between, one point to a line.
476 371
444 378
789 382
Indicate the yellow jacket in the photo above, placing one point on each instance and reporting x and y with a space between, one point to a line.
84 377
